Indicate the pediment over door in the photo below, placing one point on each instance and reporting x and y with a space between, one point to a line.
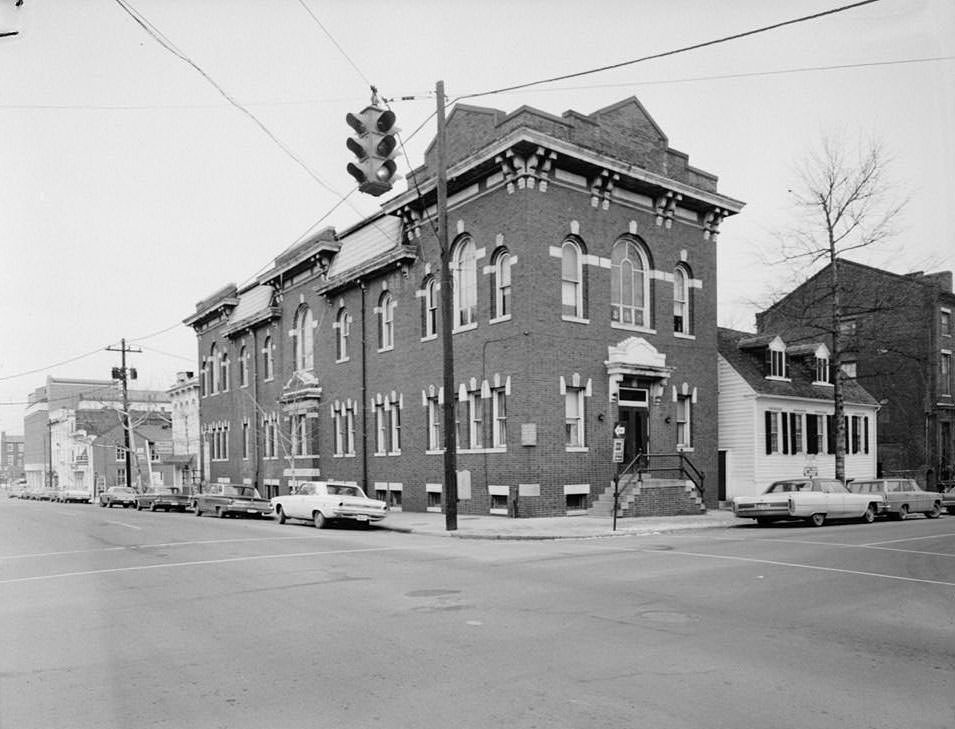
635 357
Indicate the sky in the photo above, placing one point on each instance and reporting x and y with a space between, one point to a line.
137 179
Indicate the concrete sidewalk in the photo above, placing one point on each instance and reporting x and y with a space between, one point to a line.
559 527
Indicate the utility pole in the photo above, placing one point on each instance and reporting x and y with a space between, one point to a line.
450 440
123 374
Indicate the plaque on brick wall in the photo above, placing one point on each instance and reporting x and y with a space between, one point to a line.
528 434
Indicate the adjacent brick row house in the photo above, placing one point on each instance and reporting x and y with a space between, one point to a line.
897 337
584 265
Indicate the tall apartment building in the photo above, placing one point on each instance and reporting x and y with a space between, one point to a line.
583 252
898 341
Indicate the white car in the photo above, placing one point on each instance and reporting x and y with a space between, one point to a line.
812 499
324 501
68 494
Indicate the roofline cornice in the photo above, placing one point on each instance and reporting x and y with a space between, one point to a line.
553 144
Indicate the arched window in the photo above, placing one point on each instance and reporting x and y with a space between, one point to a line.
243 367
682 313
502 284
629 285
572 279
429 309
268 365
343 330
386 321
302 336
213 370
464 283
224 372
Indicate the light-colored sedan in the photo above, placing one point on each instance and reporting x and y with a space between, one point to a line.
324 501
812 499
902 497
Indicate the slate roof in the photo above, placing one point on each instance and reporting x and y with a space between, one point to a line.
750 364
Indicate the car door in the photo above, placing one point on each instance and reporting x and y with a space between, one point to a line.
835 498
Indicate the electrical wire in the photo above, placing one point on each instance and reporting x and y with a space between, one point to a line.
673 52
335 42
169 46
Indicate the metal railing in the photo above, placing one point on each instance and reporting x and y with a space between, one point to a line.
667 465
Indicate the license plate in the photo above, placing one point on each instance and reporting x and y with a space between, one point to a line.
762 506
361 517
252 511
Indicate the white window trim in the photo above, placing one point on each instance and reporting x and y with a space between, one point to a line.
574 319
499 319
631 327
681 335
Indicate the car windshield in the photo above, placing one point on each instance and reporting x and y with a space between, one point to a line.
786 486
123 490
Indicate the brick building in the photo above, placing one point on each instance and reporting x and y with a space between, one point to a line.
72 428
584 264
11 458
897 338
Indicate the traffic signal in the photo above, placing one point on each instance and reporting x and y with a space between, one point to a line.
375 148
11 18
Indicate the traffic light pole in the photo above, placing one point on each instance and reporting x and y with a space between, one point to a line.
127 442
450 441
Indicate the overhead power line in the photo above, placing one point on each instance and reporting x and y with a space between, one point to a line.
672 52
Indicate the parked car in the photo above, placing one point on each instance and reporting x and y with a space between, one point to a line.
73 494
162 497
324 501
812 499
117 495
44 494
948 499
902 497
225 499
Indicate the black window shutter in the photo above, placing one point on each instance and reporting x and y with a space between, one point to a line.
865 434
785 434
830 434
812 434
769 432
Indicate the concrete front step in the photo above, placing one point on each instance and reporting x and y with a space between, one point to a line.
650 497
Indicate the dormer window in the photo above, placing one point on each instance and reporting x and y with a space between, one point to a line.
822 369
776 359
777 366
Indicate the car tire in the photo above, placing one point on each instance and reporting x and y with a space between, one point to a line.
198 510
903 512
221 513
102 504
869 515
280 515
139 507
152 506
935 512
817 520
319 520
763 521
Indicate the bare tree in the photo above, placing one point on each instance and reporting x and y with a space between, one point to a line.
845 204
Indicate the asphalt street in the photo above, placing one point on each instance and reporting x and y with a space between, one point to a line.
124 619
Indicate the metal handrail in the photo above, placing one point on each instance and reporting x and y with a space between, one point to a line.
686 467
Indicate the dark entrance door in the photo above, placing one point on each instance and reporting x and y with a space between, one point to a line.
636 438
721 475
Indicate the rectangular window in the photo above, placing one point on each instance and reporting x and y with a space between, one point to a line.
475 420
856 441
338 425
772 432
394 422
434 424
350 431
945 374
777 363
245 441
815 434
381 430
499 414
795 433
945 322
683 411
849 369
574 417
120 453
822 369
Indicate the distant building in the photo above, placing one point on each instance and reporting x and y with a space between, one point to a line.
184 397
70 431
11 458
776 414
898 342
584 255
